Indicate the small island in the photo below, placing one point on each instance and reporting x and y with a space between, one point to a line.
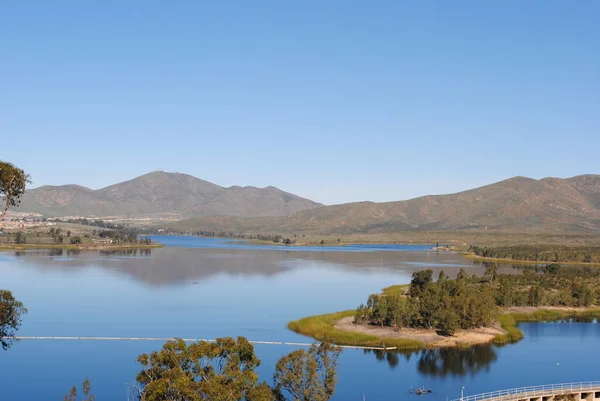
467 310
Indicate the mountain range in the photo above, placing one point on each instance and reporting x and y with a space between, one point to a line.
517 204
162 194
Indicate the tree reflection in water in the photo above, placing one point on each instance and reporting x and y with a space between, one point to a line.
444 361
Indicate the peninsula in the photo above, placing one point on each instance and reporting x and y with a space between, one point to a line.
464 311
79 234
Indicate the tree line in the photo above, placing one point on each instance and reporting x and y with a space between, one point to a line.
94 223
275 238
124 236
540 253
469 301
445 305
60 236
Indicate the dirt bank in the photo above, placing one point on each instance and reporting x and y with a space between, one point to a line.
429 337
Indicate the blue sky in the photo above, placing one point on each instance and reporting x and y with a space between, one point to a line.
333 100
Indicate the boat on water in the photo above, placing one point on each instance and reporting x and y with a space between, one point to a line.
420 391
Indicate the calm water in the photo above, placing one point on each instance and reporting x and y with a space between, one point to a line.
206 288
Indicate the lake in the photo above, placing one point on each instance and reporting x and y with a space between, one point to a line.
208 288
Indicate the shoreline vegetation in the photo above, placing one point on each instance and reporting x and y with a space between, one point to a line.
81 247
472 256
536 254
333 328
461 312
441 248
326 243
75 235
458 238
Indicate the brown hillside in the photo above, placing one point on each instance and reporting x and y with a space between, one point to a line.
519 203
161 193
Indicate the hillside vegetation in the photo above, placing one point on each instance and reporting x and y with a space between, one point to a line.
550 205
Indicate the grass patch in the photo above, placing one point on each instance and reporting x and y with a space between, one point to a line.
396 289
509 321
321 328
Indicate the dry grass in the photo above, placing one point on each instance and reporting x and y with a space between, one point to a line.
322 328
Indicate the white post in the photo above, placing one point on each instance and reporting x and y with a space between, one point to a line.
462 393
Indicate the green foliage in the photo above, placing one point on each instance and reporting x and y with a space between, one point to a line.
87 392
225 370
442 277
509 325
20 238
582 293
446 305
470 302
510 321
362 314
11 312
535 296
123 236
462 275
448 321
400 289
75 240
307 375
12 186
506 295
491 272
420 280
541 253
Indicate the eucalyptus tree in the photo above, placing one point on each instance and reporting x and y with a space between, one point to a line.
13 181
307 375
11 312
225 370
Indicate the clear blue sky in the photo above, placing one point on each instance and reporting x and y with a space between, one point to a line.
333 100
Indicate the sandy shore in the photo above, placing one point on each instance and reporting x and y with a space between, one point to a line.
429 337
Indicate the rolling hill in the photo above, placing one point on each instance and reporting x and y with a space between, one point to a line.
161 194
516 204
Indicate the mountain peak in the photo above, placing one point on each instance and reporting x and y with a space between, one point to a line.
159 193
518 204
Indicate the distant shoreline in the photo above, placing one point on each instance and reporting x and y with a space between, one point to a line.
315 243
450 248
85 247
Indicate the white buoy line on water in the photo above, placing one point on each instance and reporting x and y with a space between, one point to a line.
184 339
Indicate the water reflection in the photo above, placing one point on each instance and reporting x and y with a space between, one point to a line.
177 265
443 362
47 253
204 258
